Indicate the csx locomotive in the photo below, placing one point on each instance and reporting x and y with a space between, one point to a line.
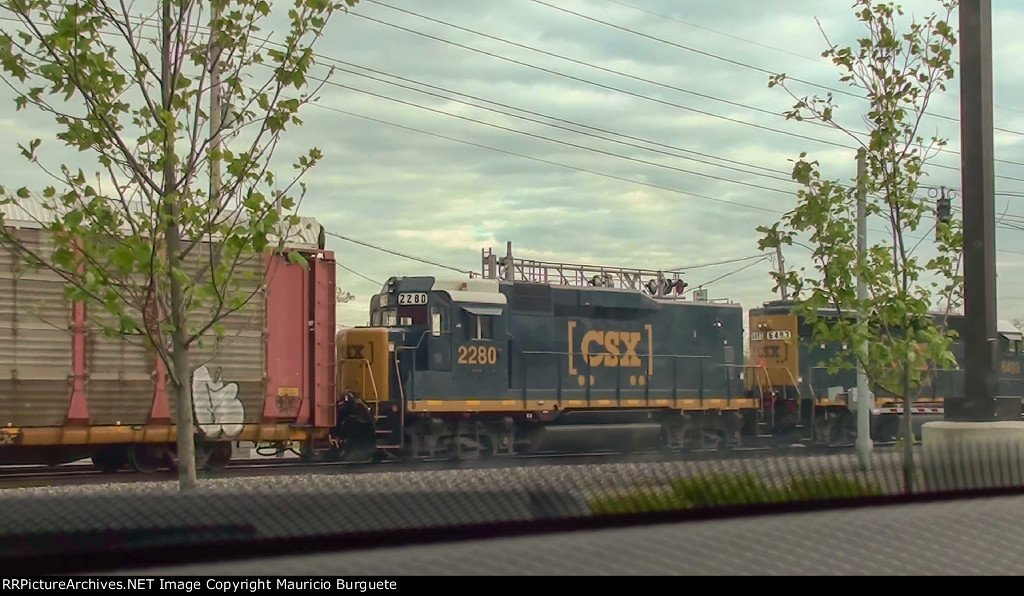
486 366
799 392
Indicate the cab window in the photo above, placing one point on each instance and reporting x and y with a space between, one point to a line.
436 321
483 327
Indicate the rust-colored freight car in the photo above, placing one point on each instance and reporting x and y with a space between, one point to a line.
69 392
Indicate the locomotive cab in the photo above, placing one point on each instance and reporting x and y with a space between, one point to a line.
428 339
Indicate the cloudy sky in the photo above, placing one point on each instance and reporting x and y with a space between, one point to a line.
424 154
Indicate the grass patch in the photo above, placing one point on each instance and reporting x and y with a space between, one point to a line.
717 490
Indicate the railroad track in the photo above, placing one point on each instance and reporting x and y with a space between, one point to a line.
85 473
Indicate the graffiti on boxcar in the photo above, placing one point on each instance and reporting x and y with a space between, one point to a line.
219 412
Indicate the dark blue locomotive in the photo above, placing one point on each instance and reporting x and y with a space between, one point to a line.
601 358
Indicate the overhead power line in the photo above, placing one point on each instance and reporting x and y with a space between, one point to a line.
733 272
565 128
685 268
618 89
549 139
398 254
570 122
584 63
558 141
731 61
602 85
547 161
354 272
575 168
715 31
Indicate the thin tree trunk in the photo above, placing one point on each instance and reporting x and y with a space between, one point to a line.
182 376
183 395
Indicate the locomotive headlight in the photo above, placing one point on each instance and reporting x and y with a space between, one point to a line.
717 323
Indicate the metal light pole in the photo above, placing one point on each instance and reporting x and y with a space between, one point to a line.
864 401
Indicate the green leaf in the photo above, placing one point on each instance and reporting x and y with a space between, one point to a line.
124 258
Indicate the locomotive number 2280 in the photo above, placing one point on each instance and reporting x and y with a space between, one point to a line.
478 354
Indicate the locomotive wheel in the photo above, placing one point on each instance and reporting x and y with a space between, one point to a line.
458 450
723 443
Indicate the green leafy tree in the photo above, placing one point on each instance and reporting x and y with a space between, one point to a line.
181 195
899 65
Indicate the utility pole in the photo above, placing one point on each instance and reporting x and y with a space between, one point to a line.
864 401
216 110
782 271
981 418
978 171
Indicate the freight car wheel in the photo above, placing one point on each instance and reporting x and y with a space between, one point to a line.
203 450
219 456
146 459
109 459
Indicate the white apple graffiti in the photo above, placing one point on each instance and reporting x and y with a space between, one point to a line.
219 412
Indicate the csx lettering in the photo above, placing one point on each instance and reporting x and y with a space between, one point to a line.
768 352
613 348
1011 367
354 352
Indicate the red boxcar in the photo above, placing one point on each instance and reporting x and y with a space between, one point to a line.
68 392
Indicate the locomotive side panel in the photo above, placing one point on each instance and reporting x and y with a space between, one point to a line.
602 348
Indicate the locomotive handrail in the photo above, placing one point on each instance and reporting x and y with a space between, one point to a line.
760 388
364 365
